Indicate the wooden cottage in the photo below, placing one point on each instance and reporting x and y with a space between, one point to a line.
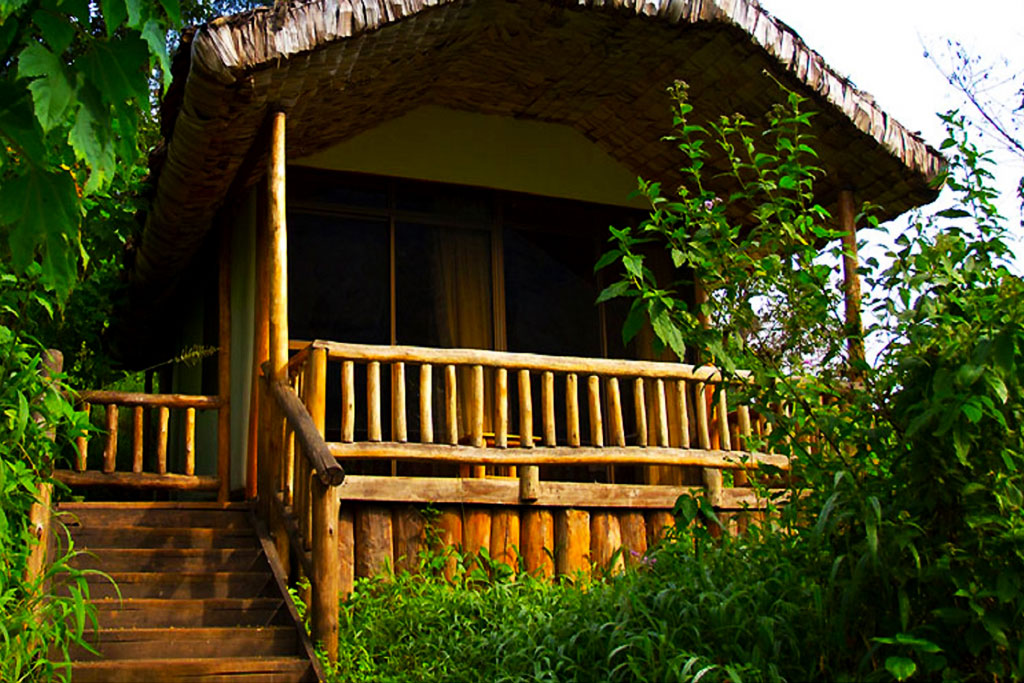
383 215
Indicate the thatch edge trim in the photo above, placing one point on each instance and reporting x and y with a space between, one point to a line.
277 33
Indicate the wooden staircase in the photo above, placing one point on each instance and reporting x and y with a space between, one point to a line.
199 600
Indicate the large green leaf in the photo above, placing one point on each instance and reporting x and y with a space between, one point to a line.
90 139
55 28
117 68
18 124
41 210
156 37
114 14
51 88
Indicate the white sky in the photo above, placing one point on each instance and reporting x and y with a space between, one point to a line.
880 45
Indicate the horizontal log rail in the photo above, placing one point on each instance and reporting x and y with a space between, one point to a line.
149 463
556 455
515 361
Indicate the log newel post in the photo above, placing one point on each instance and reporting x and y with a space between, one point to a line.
851 284
277 269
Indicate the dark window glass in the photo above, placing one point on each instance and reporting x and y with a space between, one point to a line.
338 278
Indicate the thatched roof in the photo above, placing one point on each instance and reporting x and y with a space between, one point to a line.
340 67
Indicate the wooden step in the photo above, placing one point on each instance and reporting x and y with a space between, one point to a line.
204 515
172 560
237 670
179 613
180 585
96 538
190 643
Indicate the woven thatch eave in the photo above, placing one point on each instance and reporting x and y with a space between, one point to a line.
339 67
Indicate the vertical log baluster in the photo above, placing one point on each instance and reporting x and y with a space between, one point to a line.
373 427
547 401
82 443
700 405
617 434
476 416
451 407
348 402
724 439
684 414
529 475
110 453
426 403
594 411
399 431
572 410
290 465
740 477
640 403
501 408
190 441
661 413
137 440
163 417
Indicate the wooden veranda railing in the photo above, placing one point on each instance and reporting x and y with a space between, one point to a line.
676 414
145 462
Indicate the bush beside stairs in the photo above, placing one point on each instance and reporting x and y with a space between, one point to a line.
199 600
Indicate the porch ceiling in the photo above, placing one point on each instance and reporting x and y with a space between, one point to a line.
338 69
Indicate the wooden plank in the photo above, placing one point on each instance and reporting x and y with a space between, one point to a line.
250 669
658 523
572 409
426 403
346 551
189 643
129 399
476 531
558 455
374 540
144 480
110 452
449 535
538 541
606 541
410 538
166 614
190 442
633 528
519 361
137 444
572 542
505 536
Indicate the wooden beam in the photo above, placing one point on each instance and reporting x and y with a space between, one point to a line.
125 398
557 455
142 480
260 342
554 494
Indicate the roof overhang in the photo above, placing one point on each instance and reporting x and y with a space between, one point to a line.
338 68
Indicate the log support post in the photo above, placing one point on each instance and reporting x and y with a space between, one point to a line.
851 284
